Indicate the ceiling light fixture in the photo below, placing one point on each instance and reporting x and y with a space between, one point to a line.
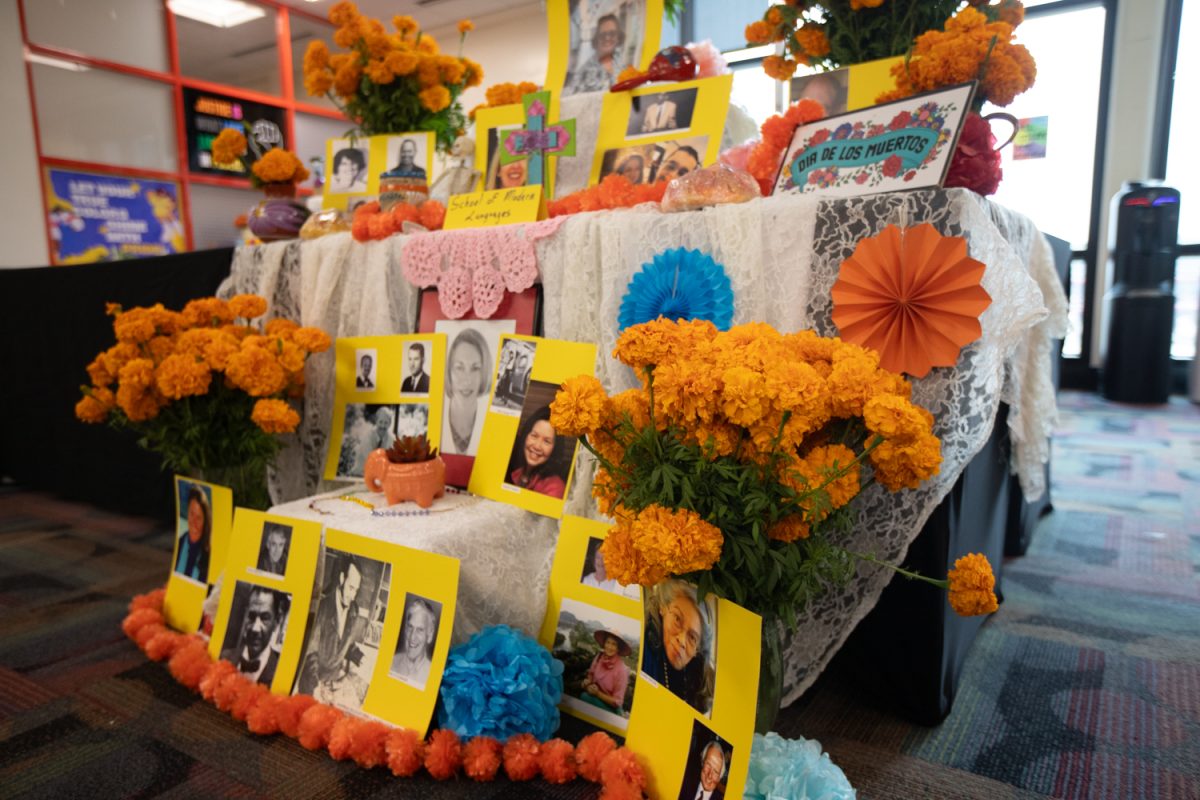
218 13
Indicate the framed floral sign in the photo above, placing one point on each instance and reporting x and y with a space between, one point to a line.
902 145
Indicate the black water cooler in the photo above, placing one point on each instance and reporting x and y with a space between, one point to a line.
1140 306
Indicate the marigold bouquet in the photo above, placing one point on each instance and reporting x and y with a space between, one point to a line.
205 392
837 33
391 82
277 169
735 463
975 43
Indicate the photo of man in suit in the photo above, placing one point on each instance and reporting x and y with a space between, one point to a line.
417 381
702 780
406 166
366 370
273 551
260 613
660 115
338 628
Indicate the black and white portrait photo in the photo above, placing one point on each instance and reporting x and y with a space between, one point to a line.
661 112
512 375
366 361
343 636
347 174
254 636
470 363
418 635
274 547
415 372
367 427
412 419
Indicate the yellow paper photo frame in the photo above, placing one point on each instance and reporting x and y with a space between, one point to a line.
265 596
358 170
384 387
846 89
521 460
584 609
662 130
399 602
582 34
666 726
196 559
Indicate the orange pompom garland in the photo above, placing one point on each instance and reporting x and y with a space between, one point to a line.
371 743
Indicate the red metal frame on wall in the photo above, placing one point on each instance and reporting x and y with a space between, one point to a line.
182 175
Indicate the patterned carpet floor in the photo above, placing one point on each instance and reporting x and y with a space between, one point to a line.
1085 684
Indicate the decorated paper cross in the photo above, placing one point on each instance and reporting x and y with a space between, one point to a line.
538 140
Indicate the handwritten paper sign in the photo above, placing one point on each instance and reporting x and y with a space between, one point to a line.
497 207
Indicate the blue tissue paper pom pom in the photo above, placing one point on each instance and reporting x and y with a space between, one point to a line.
500 683
795 769
679 284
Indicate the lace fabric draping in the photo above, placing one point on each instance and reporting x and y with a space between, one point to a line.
782 255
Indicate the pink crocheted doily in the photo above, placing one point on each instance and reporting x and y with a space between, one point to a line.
473 268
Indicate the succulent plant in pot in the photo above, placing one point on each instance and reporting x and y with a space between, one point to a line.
409 470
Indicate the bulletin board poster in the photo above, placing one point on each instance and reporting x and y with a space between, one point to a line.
206 114
93 217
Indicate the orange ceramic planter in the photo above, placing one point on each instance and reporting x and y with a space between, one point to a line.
420 482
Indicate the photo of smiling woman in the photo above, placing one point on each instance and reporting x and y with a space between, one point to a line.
680 643
541 459
195 531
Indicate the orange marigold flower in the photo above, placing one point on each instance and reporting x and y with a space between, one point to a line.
474 73
647 344
465 25
134 326
98 372
289 355
894 418
401 62
677 540
207 312
314 340
774 16
758 32
255 371
579 407
623 561
452 69
779 68
904 466
835 460
229 145
346 78
405 24
138 403
789 529
183 376
744 398
379 72
95 405
247 306
343 13
279 166
972 586
317 83
274 416
435 98
118 356
857 5
138 373
219 347
812 39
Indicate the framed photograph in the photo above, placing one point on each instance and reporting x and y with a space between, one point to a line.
473 345
591 41
665 111
906 144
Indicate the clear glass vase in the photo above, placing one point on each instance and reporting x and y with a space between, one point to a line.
770 676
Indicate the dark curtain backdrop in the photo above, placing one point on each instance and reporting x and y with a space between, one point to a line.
53 324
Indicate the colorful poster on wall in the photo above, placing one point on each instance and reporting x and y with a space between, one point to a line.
591 41
265 595
387 387
522 460
902 145
206 114
661 131
95 217
1030 140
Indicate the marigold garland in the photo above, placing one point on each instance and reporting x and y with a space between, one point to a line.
370 743
614 191
371 222
765 157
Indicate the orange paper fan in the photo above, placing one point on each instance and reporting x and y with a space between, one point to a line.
913 295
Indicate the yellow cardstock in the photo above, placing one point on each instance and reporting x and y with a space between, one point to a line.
869 80
377 398
399 602
496 207
347 184
583 609
673 728
662 130
489 124
848 88
521 461
572 34
265 595
195 566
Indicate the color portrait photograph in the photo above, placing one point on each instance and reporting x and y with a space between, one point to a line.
680 637
599 651
605 37
707 768
595 576
541 459
193 543
652 162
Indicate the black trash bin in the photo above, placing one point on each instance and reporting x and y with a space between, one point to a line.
1140 306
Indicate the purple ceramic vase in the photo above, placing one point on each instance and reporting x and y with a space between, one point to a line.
277 218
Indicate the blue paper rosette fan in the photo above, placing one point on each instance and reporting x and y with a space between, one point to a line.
679 284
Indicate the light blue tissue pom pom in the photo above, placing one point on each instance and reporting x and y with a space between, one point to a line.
679 284
793 769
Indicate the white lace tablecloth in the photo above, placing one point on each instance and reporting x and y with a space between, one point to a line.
782 256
